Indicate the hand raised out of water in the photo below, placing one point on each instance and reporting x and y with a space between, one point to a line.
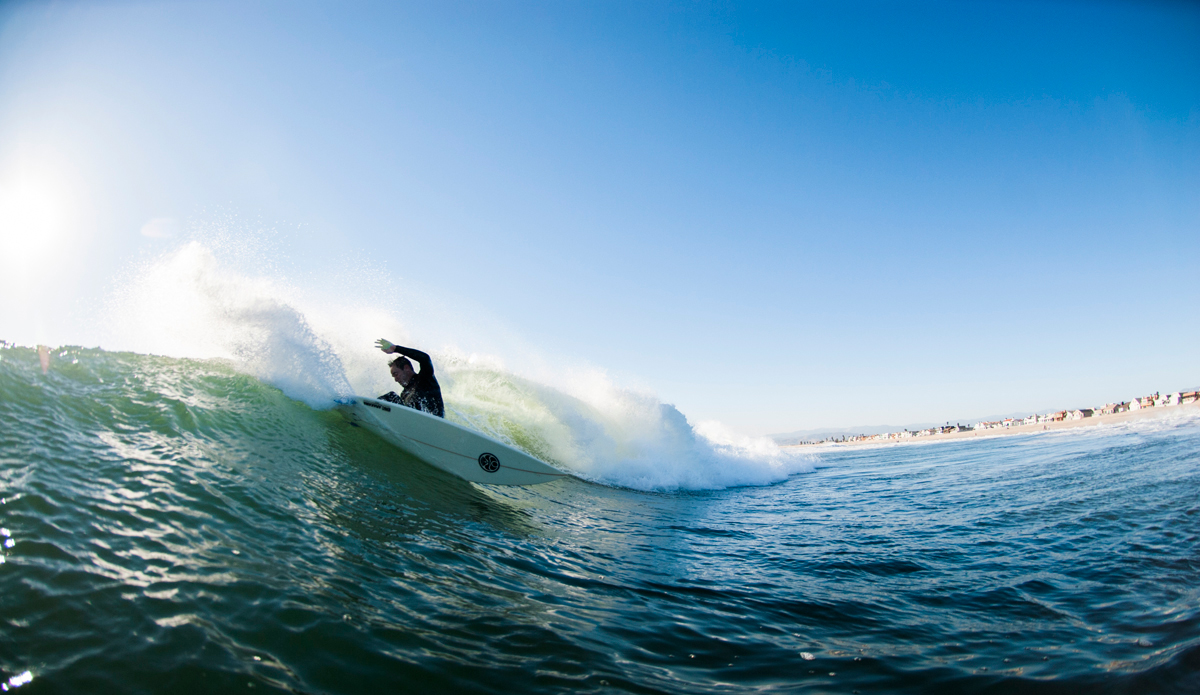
384 345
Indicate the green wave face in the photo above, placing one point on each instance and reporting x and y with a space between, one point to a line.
167 513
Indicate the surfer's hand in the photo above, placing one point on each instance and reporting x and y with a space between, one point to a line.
384 345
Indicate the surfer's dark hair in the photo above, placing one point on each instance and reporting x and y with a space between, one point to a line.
400 362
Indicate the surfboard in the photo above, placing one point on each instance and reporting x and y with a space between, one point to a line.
449 446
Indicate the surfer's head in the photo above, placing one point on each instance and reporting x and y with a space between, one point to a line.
402 370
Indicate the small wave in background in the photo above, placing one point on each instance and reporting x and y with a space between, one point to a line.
314 342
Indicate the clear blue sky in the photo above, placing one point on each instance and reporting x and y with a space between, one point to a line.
778 216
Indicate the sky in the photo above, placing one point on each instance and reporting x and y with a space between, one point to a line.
781 216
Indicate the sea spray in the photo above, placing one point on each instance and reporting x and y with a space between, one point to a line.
612 435
186 305
316 347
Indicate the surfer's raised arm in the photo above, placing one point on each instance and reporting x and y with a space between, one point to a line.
421 390
422 358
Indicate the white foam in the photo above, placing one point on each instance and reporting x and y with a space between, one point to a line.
315 343
185 304
612 435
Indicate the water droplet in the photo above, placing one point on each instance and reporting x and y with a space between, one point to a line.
18 680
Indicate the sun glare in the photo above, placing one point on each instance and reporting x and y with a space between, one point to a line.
35 221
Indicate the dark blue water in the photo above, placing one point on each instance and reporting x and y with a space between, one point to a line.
173 526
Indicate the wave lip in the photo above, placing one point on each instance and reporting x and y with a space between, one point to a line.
188 305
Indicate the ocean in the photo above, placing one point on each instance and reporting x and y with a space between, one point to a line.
197 525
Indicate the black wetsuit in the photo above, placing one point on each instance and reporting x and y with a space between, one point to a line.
423 392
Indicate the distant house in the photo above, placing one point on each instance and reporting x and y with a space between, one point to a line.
1146 402
1080 414
1189 397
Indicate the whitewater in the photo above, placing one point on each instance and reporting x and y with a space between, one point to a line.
317 346
181 511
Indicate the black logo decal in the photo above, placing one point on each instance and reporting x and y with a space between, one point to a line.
489 462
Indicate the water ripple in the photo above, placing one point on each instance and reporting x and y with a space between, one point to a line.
174 526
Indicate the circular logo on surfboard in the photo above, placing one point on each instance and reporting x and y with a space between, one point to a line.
489 462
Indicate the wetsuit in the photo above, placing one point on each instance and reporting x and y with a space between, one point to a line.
423 392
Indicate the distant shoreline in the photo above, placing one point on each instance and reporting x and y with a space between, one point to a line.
1109 419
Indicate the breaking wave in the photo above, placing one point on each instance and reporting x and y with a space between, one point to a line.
314 344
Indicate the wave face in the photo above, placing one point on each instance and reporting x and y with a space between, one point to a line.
316 346
178 525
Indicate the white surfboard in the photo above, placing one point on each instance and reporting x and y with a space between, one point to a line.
447 445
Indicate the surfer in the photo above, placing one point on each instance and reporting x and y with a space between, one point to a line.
421 389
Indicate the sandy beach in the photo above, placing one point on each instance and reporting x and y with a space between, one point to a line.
1114 418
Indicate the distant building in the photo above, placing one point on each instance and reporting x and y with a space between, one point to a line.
1146 402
